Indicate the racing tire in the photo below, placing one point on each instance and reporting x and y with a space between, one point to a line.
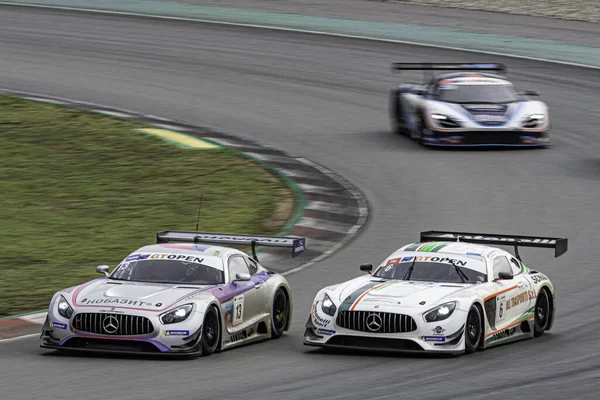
211 331
416 133
473 330
542 313
280 313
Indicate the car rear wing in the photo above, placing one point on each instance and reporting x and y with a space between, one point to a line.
447 67
473 67
558 244
297 244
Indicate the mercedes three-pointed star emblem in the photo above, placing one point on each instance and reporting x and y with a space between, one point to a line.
374 322
110 324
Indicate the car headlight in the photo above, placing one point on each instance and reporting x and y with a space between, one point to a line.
445 121
64 309
327 306
440 313
177 315
534 120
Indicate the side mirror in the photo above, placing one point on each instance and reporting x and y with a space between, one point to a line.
367 268
242 276
102 269
505 275
530 93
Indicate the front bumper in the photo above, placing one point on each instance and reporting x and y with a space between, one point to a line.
60 334
487 138
449 340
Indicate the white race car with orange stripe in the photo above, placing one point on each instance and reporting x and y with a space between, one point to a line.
450 293
468 108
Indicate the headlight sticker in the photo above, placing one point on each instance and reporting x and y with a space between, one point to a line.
316 318
438 330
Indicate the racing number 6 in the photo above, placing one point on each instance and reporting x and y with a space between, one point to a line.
501 302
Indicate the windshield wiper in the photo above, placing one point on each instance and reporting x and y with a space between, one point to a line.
410 270
460 273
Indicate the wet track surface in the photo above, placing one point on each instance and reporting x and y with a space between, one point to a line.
326 99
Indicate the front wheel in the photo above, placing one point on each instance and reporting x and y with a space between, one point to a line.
211 331
542 313
473 329
280 313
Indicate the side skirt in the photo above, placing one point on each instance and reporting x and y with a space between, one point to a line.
520 332
258 331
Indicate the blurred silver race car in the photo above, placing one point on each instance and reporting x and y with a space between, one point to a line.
469 107
176 298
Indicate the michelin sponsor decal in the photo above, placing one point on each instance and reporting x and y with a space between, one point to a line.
176 333
433 338
58 325
326 331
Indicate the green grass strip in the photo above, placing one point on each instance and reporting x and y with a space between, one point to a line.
81 189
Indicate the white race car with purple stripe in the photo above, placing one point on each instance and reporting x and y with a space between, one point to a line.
450 293
176 297
468 108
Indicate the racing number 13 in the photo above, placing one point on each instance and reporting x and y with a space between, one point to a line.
238 310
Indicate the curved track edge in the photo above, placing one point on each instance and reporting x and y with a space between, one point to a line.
542 50
329 210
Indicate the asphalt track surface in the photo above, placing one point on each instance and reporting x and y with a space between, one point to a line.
326 99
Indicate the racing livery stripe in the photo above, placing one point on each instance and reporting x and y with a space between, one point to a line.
412 247
374 288
526 317
350 300
428 247
439 247
496 294
421 247
223 293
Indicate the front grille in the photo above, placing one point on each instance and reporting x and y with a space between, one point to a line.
494 137
374 343
376 322
110 345
112 324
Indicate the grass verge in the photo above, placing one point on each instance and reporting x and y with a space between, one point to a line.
80 189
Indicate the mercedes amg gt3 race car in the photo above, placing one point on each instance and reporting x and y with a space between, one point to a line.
451 293
469 107
176 297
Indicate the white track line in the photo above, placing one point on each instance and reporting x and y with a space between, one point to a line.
14 339
277 28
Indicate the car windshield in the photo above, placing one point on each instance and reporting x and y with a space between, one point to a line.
476 94
434 269
169 271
